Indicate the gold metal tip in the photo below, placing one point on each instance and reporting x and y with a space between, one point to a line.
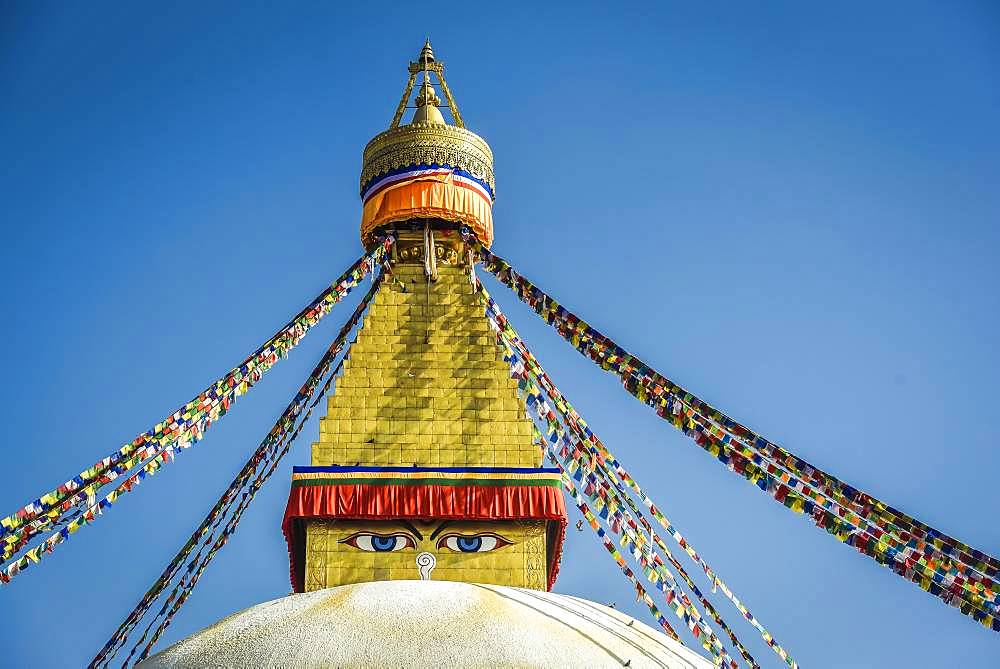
426 53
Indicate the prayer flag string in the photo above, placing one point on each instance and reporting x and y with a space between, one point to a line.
182 429
247 497
651 563
600 482
609 545
604 487
259 467
940 564
189 422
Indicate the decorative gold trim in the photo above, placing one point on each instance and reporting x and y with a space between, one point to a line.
428 144
409 249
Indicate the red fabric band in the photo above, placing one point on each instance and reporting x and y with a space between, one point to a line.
424 502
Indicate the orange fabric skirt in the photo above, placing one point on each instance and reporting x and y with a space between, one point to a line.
429 197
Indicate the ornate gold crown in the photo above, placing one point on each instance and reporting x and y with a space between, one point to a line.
428 169
427 144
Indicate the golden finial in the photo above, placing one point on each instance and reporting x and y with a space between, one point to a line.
427 99
426 53
426 63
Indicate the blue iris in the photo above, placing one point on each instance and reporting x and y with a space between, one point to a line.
469 544
384 543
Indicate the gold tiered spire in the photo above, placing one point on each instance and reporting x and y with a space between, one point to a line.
426 384
441 401
426 464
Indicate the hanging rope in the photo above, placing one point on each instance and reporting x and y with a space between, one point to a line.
958 574
534 399
249 480
601 484
74 504
595 524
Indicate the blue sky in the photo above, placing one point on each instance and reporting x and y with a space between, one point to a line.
791 209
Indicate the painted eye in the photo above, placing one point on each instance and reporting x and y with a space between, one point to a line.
472 543
379 543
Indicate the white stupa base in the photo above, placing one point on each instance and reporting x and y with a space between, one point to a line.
428 624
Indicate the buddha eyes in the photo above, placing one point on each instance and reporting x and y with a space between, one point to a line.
380 543
476 543
459 543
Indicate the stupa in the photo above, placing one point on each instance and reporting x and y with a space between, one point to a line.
425 531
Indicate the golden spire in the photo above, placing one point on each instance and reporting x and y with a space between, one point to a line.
426 53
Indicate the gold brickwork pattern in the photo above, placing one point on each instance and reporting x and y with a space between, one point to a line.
331 562
426 384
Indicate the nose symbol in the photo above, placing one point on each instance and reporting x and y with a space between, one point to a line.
426 563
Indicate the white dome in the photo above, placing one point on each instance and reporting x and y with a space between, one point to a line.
428 624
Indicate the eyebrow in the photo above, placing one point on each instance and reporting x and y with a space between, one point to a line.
413 529
444 524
